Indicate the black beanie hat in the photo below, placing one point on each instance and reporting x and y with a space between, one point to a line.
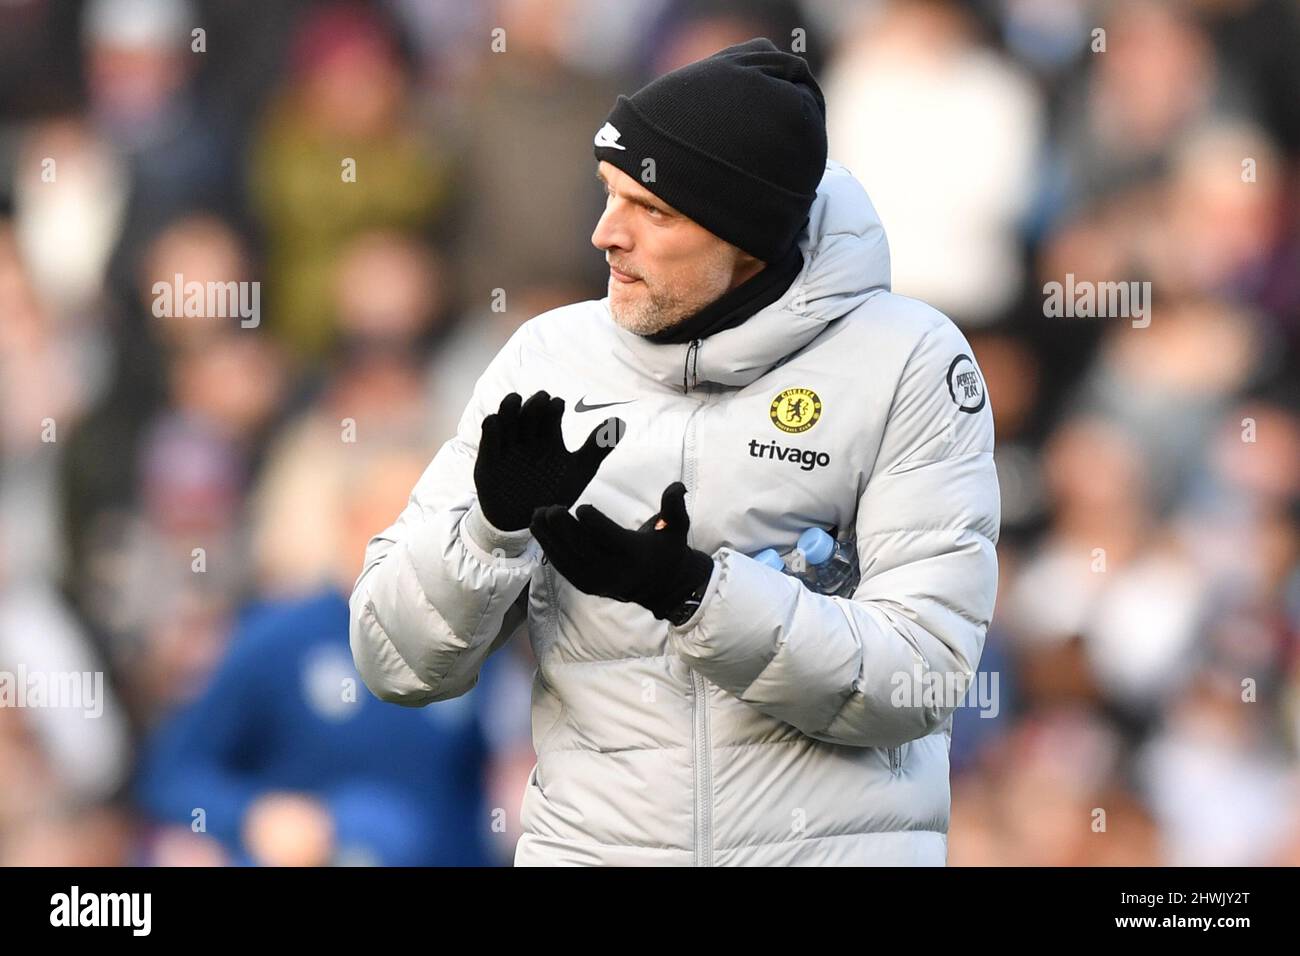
738 143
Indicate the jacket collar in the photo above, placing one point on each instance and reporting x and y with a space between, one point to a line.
845 262
736 305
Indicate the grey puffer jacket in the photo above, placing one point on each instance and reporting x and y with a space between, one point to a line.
774 727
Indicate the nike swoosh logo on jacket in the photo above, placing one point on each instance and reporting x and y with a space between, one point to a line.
581 406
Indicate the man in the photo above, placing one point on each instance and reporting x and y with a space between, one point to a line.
691 705
294 765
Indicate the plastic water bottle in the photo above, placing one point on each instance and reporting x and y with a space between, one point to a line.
829 566
823 564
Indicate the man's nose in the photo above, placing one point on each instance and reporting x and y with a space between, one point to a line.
611 230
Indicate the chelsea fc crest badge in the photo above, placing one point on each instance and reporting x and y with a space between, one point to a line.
796 410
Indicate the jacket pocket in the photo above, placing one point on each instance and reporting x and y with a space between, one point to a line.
542 745
545 744
549 635
534 782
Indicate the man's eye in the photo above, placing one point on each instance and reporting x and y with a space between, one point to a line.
653 212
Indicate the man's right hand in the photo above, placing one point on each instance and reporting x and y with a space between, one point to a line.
523 463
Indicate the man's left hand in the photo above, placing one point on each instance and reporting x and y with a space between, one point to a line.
652 566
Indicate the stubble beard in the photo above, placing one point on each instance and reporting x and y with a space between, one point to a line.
656 306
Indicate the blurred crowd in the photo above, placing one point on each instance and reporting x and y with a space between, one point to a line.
184 500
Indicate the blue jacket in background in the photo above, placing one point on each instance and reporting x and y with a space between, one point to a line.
286 710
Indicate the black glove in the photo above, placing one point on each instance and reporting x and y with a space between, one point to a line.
523 464
652 566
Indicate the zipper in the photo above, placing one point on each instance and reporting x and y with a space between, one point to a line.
703 769
895 760
703 775
691 366
552 608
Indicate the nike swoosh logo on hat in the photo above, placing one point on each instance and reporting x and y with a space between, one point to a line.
581 407
608 136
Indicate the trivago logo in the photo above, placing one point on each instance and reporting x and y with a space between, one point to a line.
805 458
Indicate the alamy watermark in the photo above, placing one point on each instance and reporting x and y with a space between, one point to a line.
71 690
946 691
130 910
224 300
1099 300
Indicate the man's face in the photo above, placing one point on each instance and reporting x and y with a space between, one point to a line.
663 266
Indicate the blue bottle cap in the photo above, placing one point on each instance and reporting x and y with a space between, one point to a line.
816 545
769 557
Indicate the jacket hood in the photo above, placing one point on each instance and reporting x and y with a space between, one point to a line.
846 262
